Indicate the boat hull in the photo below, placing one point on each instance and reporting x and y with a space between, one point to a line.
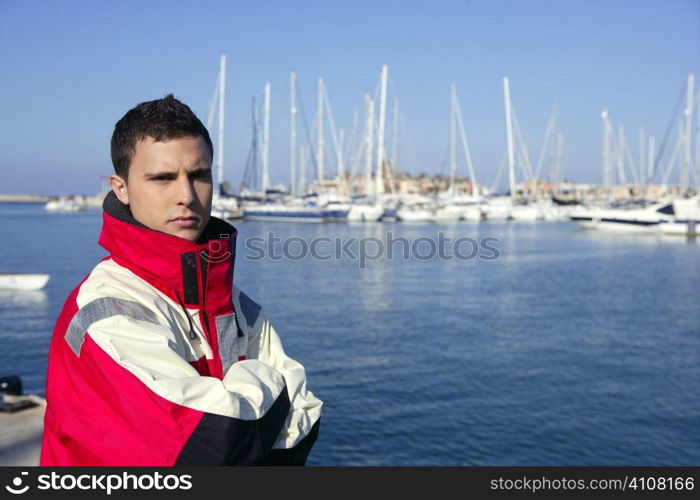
616 225
681 228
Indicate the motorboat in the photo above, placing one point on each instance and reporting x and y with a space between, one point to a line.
637 216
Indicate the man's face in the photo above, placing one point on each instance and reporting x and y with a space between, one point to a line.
169 186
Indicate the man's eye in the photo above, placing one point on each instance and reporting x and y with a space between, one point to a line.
159 178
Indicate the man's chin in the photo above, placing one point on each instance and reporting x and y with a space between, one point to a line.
190 234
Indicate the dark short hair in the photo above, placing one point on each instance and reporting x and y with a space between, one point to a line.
161 119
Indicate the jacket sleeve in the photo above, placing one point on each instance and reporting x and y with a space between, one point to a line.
301 426
120 393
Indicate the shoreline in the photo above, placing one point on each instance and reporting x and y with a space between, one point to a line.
25 198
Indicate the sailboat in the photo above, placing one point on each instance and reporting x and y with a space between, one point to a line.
367 208
277 205
453 206
224 205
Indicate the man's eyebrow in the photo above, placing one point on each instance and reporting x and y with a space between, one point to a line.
163 173
200 168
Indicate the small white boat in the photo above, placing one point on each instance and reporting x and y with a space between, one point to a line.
66 204
23 281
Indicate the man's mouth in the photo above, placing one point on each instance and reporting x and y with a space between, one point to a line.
185 221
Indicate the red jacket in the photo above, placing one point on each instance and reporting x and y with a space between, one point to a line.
157 359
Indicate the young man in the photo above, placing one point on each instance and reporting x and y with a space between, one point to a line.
157 358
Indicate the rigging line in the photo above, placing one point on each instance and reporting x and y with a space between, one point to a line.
545 140
465 144
499 173
406 144
662 147
631 162
306 129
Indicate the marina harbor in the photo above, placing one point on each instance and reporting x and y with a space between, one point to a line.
372 234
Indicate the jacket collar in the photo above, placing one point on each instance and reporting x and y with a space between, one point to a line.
164 260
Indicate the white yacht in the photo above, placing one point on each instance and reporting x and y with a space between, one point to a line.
637 216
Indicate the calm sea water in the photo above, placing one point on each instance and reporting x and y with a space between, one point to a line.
570 348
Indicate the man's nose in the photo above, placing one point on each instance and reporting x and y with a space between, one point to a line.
186 191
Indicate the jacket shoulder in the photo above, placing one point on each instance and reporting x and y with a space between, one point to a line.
109 279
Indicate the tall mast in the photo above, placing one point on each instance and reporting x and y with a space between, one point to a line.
697 141
650 159
337 138
302 169
292 131
621 155
688 112
319 120
558 176
642 157
369 142
509 132
341 161
395 137
607 151
453 139
380 139
266 140
465 145
222 93
353 146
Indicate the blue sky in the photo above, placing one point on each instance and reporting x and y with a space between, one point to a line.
69 70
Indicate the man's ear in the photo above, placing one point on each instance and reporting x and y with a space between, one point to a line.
118 185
